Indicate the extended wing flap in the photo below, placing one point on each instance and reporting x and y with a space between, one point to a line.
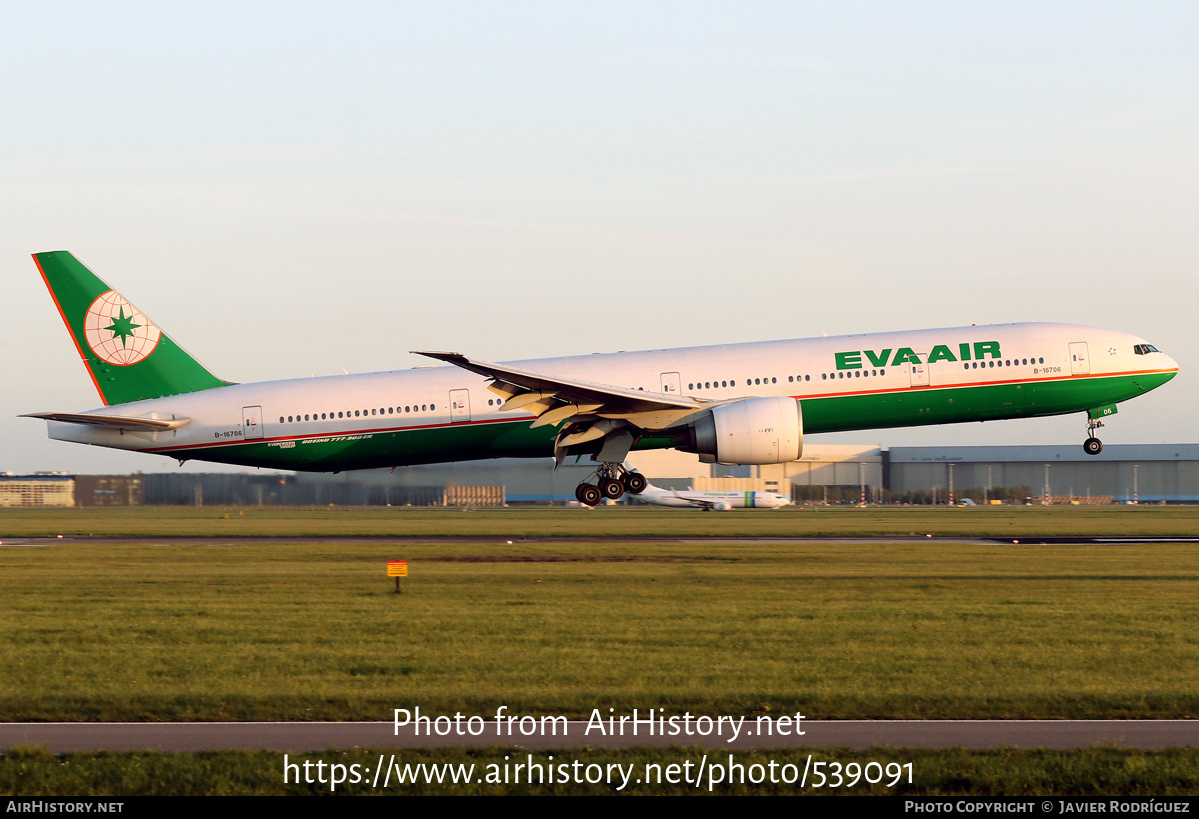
563 412
524 399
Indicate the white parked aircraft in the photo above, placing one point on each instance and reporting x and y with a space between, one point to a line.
712 499
735 404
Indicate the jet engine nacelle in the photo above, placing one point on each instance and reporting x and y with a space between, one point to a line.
753 431
722 506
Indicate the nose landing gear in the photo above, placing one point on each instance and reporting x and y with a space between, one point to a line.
1092 445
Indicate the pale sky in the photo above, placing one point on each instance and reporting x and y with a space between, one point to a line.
298 188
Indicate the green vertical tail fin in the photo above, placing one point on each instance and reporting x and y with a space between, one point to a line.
126 354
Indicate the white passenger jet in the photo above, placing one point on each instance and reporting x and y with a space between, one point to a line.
712 500
734 404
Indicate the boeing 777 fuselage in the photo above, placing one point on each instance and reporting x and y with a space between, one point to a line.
749 403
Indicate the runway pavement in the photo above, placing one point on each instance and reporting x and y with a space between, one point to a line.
61 737
1027 539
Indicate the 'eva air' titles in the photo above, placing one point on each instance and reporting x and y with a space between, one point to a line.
894 357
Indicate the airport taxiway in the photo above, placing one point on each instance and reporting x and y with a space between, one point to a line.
61 737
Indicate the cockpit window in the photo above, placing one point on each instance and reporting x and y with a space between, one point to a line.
1142 349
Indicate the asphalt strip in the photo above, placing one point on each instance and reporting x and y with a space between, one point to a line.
61 737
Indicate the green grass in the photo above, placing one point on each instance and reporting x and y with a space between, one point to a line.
1008 772
637 521
295 631
224 628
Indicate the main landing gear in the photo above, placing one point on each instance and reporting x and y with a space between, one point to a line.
1092 445
613 481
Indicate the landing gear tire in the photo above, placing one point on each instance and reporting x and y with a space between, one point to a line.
635 483
611 488
588 493
1092 445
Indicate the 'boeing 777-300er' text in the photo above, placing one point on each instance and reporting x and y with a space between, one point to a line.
734 404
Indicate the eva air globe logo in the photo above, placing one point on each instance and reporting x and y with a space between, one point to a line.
117 332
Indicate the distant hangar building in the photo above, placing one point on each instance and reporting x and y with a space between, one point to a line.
1144 473
38 490
1122 472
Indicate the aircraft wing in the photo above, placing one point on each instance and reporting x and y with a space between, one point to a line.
516 382
595 410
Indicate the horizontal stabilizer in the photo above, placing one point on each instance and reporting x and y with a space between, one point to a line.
114 421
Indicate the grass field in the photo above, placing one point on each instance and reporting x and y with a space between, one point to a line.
220 626
310 630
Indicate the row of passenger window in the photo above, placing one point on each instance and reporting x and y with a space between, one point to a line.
749 382
699 385
852 374
974 365
290 419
